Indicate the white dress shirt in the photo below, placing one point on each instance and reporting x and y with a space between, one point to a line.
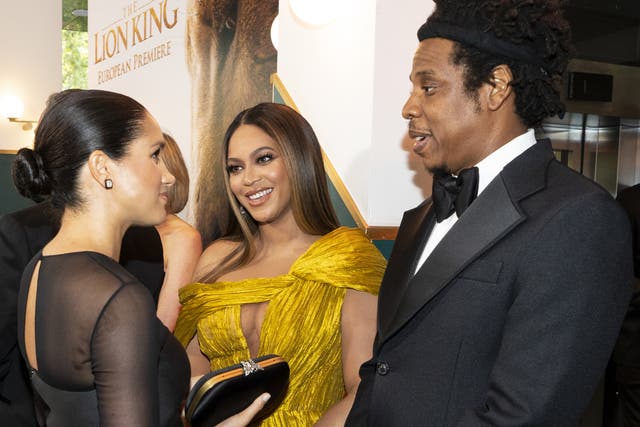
488 169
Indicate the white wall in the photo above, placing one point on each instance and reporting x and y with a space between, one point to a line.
398 180
31 52
350 79
328 71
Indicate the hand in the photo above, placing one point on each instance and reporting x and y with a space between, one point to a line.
244 418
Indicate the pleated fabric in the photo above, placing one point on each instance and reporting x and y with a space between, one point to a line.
302 321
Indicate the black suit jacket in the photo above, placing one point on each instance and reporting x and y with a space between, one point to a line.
627 350
511 319
22 235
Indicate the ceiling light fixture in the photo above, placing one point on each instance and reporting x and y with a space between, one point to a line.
315 12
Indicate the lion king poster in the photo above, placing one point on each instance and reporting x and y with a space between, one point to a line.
194 64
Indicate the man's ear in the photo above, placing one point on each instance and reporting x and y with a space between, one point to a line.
500 88
100 166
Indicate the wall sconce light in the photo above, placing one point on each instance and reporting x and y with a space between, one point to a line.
315 12
26 124
12 108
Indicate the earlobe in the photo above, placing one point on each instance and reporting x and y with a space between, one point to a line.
100 168
501 89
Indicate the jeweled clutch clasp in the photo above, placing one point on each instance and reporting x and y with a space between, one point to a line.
249 367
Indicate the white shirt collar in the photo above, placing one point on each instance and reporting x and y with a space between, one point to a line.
492 165
488 169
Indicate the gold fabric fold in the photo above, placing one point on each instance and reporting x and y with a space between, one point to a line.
302 322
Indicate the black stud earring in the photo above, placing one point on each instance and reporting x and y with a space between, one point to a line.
108 184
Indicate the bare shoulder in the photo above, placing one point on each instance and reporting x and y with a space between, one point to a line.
218 250
175 230
191 238
174 224
213 255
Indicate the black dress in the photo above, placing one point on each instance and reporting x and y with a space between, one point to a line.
141 254
103 356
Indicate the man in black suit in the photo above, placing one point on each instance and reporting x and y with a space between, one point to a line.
626 355
22 235
502 311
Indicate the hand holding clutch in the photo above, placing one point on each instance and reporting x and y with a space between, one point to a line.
224 392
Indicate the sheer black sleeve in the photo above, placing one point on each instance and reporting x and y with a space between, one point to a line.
125 359
98 338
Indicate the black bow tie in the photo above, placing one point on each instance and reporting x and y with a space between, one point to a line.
451 194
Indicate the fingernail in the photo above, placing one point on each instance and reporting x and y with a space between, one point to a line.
266 397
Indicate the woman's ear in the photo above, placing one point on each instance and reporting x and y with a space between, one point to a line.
100 168
501 89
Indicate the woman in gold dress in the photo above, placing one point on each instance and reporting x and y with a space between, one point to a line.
284 277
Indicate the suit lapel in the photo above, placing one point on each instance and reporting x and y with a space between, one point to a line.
415 228
485 222
491 217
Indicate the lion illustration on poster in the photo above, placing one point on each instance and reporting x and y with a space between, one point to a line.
230 58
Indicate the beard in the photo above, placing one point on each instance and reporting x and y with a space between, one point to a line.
438 170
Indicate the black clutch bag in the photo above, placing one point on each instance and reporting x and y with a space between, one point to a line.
225 392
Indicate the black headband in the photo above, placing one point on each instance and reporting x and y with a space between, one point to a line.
481 40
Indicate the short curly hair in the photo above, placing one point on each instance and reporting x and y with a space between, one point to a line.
536 25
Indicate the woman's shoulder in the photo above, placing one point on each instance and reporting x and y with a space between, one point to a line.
219 249
176 231
174 225
83 264
106 276
214 254
344 257
344 239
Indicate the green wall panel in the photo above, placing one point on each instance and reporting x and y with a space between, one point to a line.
11 199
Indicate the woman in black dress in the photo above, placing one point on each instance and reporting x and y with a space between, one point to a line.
96 351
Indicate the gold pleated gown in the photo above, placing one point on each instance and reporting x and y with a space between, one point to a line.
302 322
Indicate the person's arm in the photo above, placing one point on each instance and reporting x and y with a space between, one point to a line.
199 363
182 247
358 331
124 356
570 293
209 259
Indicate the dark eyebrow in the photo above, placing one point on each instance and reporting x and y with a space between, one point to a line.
423 74
253 153
266 147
